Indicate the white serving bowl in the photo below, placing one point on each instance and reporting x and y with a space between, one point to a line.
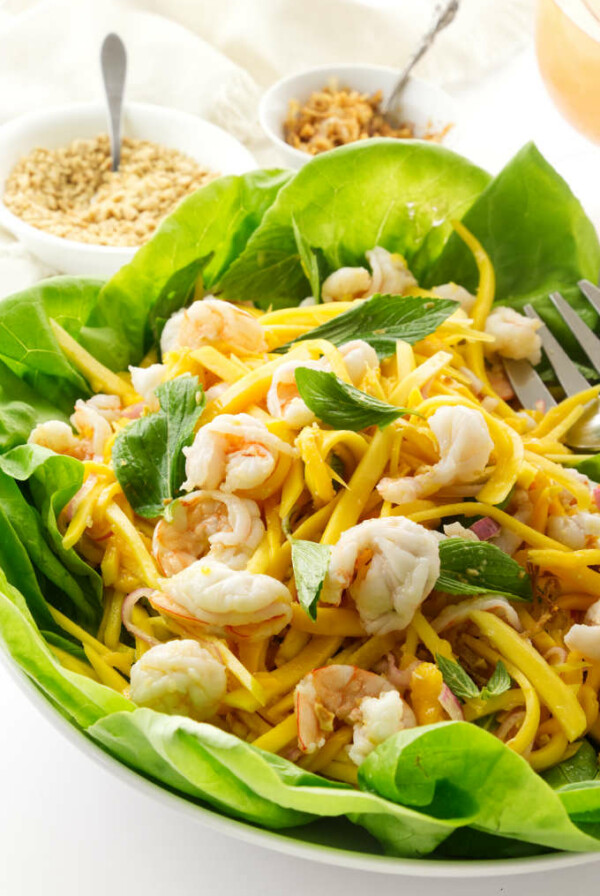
209 145
427 107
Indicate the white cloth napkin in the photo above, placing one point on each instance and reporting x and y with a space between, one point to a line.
213 57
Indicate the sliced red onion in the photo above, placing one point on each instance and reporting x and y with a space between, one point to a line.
70 509
451 704
126 614
596 494
485 528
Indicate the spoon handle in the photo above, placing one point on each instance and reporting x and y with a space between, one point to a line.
443 16
113 59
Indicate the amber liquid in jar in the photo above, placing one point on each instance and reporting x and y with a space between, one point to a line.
568 52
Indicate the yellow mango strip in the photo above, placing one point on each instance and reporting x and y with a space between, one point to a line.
125 529
576 601
108 494
284 706
476 508
274 532
553 417
141 619
316 472
227 369
100 378
259 561
526 734
292 488
588 699
372 650
405 359
252 654
557 474
561 564
110 564
330 621
111 630
593 677
76 631
309 316
568 460
71 662
426 683
315 654
120 661
279 737
430 637
409 648
238 670
566 560
280 334
341 771
105 673
82 518
293 642
554 692
561 426
477 709
541 639
363 481
253 722
418 377
315 762
556 750
249 390
356 443
333 355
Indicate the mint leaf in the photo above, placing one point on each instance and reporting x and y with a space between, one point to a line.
310 562
382 320
341 405
471 567
461 684
499 682
148 454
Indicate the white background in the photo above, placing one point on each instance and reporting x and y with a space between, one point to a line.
69 827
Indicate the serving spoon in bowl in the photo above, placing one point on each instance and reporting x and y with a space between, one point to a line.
444 15
113 60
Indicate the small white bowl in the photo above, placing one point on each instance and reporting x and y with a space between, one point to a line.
427 107
208 144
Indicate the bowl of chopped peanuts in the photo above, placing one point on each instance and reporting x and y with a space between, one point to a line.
326 107
61 199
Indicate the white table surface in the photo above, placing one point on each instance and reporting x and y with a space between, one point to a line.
69 827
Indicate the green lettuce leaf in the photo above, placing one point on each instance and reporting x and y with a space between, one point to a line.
194 245
148 454
401 195
582 766
381 321
539 240
310 562
340 404
471 567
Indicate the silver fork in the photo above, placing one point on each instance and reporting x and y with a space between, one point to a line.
584 435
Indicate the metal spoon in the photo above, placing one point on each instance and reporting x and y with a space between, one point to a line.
113 59
444 14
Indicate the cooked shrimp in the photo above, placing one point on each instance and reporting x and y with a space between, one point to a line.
283 397
210 523
388 566
211 321
233 452
457 293
520 509
576 531
208 597
92 421
465 446
145 381
389 274
586 638
363 699
515 336
179 678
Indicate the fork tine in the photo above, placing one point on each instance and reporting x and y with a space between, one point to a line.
566 372
528 385
591 292
585 337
